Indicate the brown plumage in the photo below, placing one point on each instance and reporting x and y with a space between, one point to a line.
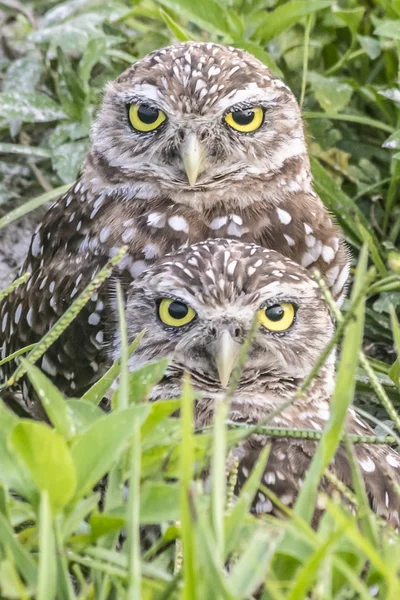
192 177
218 287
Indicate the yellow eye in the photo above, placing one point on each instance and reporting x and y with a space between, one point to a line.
175 313
145 118
246 120
278 317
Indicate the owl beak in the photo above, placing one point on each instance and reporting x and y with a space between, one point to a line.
193 155
227 353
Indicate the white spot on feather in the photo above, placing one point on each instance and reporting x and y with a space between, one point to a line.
178 223
104 234
328 254
289 240
94 319
48 367
367 465
283 216
392 461
218 222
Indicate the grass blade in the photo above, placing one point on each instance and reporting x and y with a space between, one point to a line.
341 399
47 575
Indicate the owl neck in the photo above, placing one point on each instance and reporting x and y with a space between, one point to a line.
254 402
274 185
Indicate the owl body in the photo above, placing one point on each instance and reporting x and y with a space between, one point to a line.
201 173
198 307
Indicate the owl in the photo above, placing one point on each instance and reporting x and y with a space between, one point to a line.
194 141
198 306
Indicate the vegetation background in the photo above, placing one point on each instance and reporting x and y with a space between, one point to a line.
342 62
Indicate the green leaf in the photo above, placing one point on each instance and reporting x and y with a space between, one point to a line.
99 389
259 53
390 29
352 17
23 150
11 585
285 16
159 502
73 35
29 107
30 205
11 472
23 560
343 207
394 372
24 73
78 515
95 450
67 159
69 88
142 381
341 398
93 54
103 524
250 570
208 14
332 94
52 401
187 457
47 552
83 413
371 46
180 34
159 410
241 508
47 457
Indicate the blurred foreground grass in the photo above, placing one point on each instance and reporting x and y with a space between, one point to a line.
342 63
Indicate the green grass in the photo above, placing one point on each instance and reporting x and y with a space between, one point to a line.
343 65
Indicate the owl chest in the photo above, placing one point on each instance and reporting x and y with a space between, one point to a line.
150 234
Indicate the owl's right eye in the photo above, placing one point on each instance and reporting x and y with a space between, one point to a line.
145 118
175 313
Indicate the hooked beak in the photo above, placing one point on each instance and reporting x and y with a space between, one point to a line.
193 155
227 353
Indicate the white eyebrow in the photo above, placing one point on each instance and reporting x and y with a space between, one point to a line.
151 92
249 94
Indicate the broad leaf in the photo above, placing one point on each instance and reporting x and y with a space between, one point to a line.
95 450
29 107
48 459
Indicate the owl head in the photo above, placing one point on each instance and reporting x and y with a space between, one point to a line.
192 117
199 305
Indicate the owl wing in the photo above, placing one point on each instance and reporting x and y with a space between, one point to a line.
306 233
62 259
289 460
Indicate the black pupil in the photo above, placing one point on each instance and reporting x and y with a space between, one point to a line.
147 114
243 117
274 313
178 310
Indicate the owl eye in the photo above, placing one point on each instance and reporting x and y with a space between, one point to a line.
145 118
278 317
174 313
246 120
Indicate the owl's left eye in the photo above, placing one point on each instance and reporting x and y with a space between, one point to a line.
278 317
145 118
246 120
175 313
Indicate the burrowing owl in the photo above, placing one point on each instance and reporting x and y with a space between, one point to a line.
194 141
198 306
